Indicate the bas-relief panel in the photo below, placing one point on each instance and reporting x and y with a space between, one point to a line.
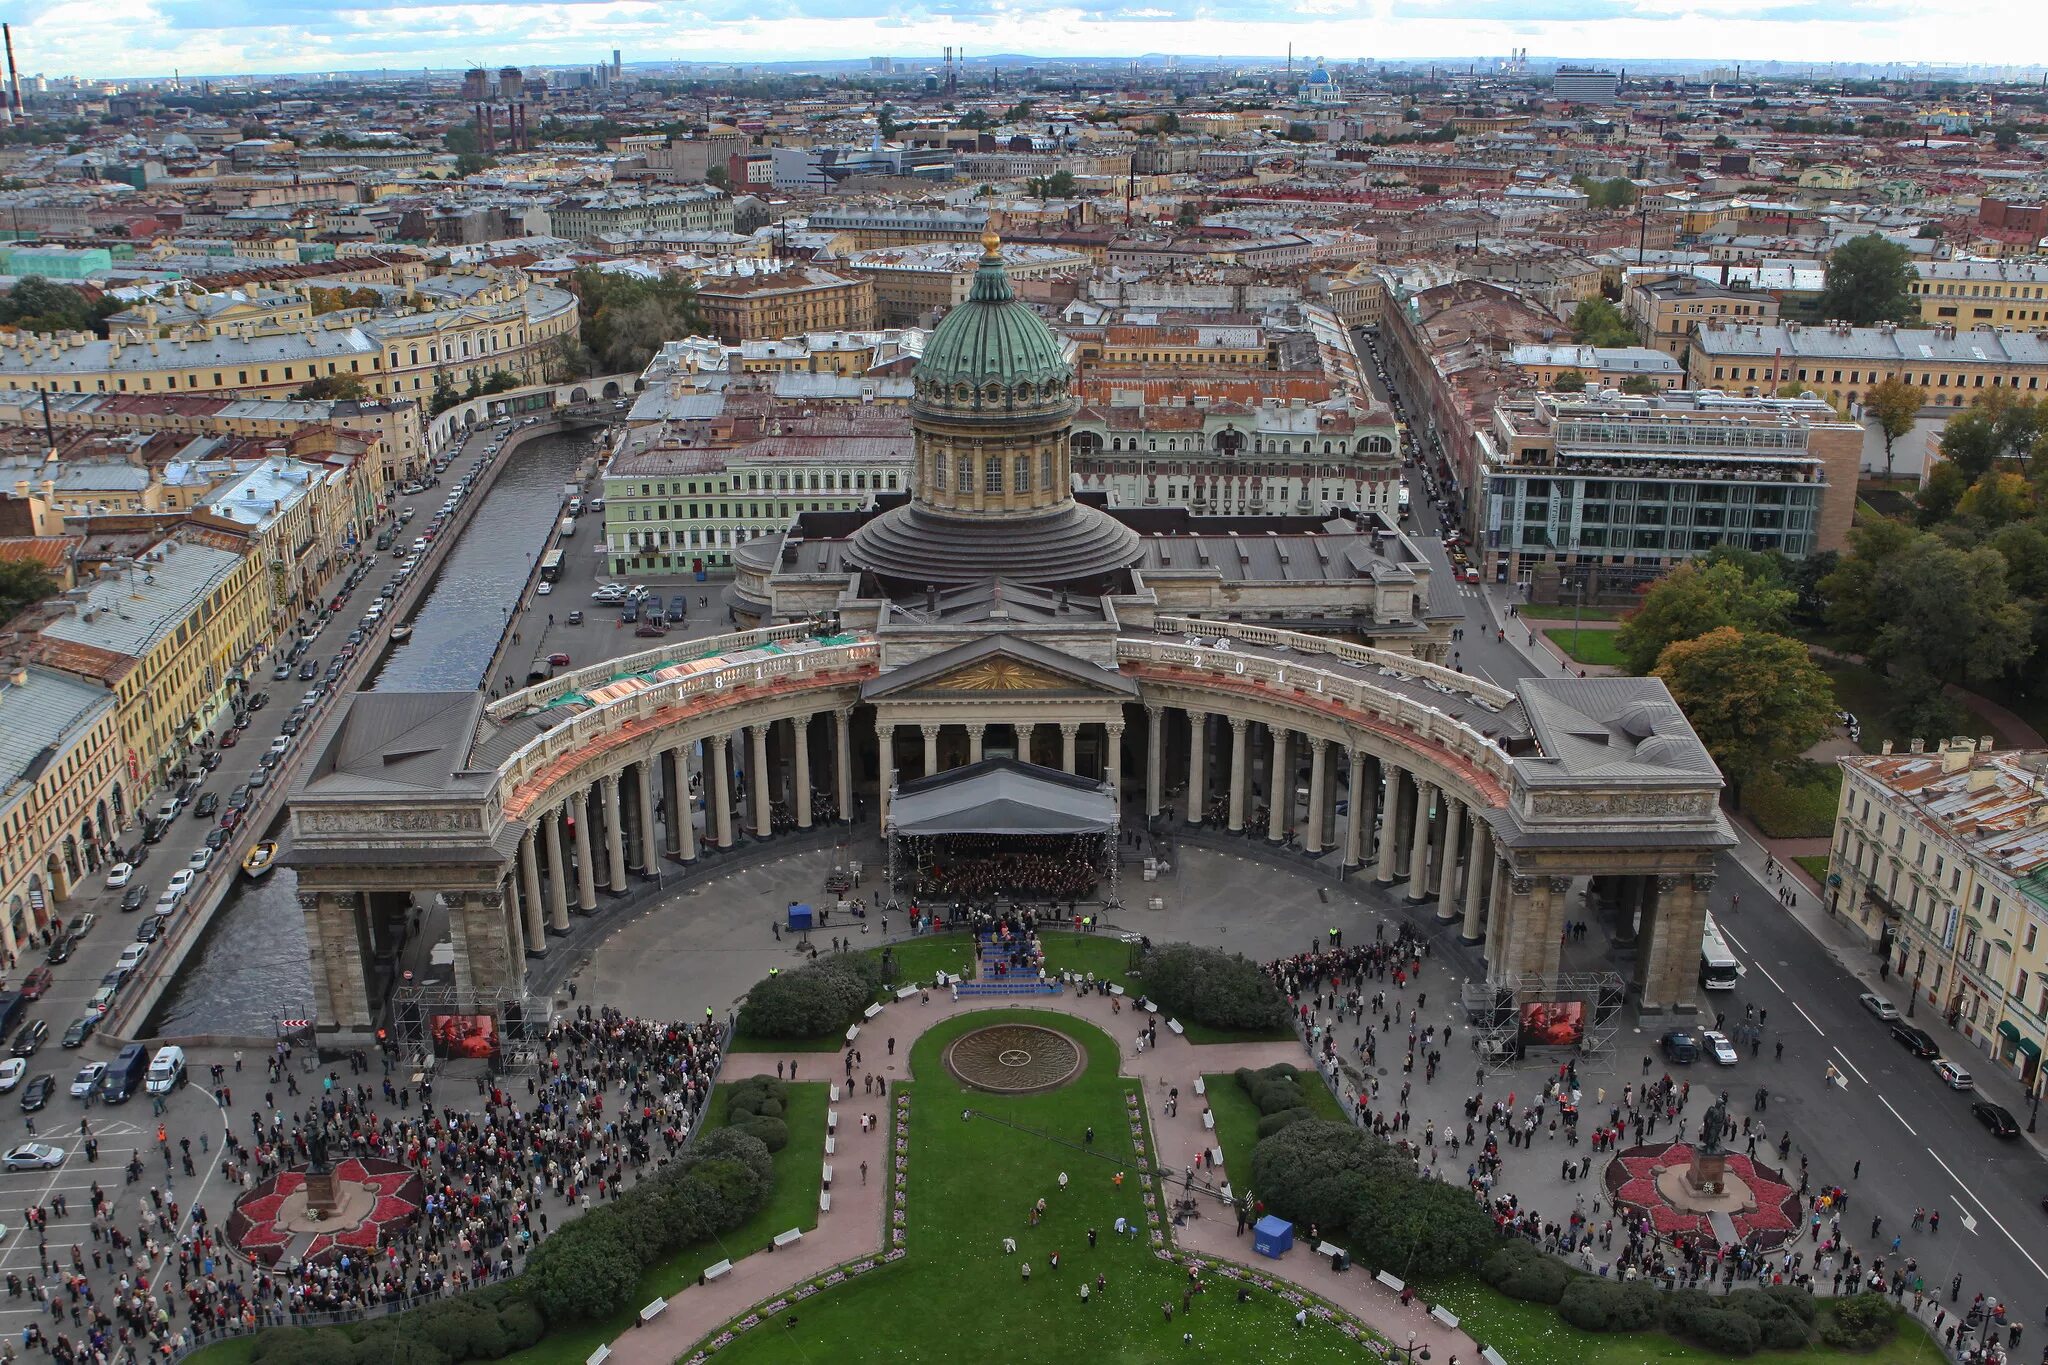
410 821
1608 804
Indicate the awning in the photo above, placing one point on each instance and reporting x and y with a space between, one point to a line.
1003 796
2010 1032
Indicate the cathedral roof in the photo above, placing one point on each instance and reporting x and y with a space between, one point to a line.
991 338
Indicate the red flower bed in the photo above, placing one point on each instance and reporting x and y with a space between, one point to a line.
1631 1180
253 1230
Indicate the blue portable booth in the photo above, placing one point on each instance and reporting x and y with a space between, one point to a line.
1272 1236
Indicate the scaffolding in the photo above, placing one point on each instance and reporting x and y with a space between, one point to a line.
1496 1011
522 1024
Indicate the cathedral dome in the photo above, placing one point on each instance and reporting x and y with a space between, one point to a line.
992 354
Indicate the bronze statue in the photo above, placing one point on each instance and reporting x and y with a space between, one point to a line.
1714 1126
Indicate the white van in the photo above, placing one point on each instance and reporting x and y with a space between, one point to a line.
166 1070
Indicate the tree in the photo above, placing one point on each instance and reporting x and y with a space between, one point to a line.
1893 404
627 318
1189 214
334 300
1058 185
22 583
1596 322
1998 499
1870 280
40 305
718 176
446 395
1300 132
1168 122
1755 699
1222 990
1018 112
1695 598
330 386
1853 592
1997 426
1945 614
1641 385
1617 192
470 163
1569 381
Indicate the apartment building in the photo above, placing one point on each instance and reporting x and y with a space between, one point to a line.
1666 312
587 217
1972 293
1841 363
914 284
745 300
63 791
1940 857
1630 486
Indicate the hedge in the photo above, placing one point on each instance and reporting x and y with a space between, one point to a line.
815 1000
1208 986
589 1268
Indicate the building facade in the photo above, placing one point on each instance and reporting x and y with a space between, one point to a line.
758 299
1842 363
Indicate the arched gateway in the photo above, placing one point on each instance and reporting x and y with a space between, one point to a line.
990 615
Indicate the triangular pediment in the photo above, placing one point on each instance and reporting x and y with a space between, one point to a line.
1000 665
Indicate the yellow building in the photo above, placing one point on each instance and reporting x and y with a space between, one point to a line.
913 284
778 299
173 634
1941 858
1841 363
1667 312
62 794
1968 293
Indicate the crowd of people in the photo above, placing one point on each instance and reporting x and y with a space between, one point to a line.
981 866
614 1098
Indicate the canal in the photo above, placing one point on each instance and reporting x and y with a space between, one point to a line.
251 967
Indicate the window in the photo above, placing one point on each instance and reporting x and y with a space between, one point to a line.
964 468
1020 474
992 475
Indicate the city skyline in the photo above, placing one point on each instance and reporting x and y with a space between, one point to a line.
254 37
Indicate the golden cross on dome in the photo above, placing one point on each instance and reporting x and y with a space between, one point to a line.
990 241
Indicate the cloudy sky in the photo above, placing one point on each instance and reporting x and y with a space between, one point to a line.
148 37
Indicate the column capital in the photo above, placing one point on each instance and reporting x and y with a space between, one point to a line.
1318 745
1154 711
884 729
610 781
1114 727
977 727
1196 714
1070 728
1239 723
930 729
802 722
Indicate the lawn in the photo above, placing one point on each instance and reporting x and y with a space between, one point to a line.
971 1185
1237 1119
1533 1334
1871 696
793 1205
1586 646
1816 865
1562 611
1803 808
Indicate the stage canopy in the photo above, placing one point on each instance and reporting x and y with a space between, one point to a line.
1002 796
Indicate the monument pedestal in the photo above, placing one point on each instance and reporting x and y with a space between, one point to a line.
1708 1174
323 1194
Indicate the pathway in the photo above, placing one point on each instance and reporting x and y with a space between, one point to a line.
854 1226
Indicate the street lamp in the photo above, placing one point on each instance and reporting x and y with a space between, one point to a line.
1919 965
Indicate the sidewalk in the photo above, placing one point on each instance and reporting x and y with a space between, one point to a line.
854 1227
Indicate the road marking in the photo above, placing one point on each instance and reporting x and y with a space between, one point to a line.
1897 1115
1775 982
1989 1214
1804 1015
1852 1066
1732 939
1969 1223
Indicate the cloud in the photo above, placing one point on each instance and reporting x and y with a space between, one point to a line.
117 38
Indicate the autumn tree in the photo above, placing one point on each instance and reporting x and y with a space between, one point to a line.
1695 598
1755 699
1893 404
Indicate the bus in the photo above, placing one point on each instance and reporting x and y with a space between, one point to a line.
551 566
1719 971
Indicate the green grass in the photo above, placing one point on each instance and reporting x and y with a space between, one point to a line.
1562 611
793 1205
1803 808
1237 1118
1871 696
1816 865
1586 646
971 1185
1533 1334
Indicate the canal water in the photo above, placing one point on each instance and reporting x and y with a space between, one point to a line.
251 968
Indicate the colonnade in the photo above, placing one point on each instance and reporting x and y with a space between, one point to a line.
1088 748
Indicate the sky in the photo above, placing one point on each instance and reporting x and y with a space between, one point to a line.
117 38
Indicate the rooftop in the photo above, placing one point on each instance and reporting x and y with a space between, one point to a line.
131 611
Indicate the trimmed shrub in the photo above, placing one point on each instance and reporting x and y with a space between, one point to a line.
1520 1271
1218 989
1705 1321
752 1095
771 1108
772 1133
1605 1306
1782 1314
1863 1322
522 1323
731 1144
816 1000
301 1346
1273 1123
585 1271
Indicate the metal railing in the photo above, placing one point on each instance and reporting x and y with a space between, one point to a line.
1365 656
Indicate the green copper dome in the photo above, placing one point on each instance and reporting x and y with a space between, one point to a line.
992 353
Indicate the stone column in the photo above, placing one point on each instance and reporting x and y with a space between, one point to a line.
675 806
1280 787
1668 952
1023 742
1155 759
1478 865
758 734
682 810
586 873
650 845
1418 845
558 872
1318 794
614 835
1198 766
1113 761
886 734
974 734
484 963
1068 730
715 759
1447 876
341 995
1390 822
843 761
930 730
1239 763
1362 808
529 882
800 729
515 926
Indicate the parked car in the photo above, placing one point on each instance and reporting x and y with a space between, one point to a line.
34 1096
1997 1118
60 950
80 1030
131 956
36 984
119 875
217 838
35 1156
575 618
201 859
1681 1045
231 739
207 806
181 882
88 1076
12 1072
82 926
1879 1006
1953 1076
147 931
30 1038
